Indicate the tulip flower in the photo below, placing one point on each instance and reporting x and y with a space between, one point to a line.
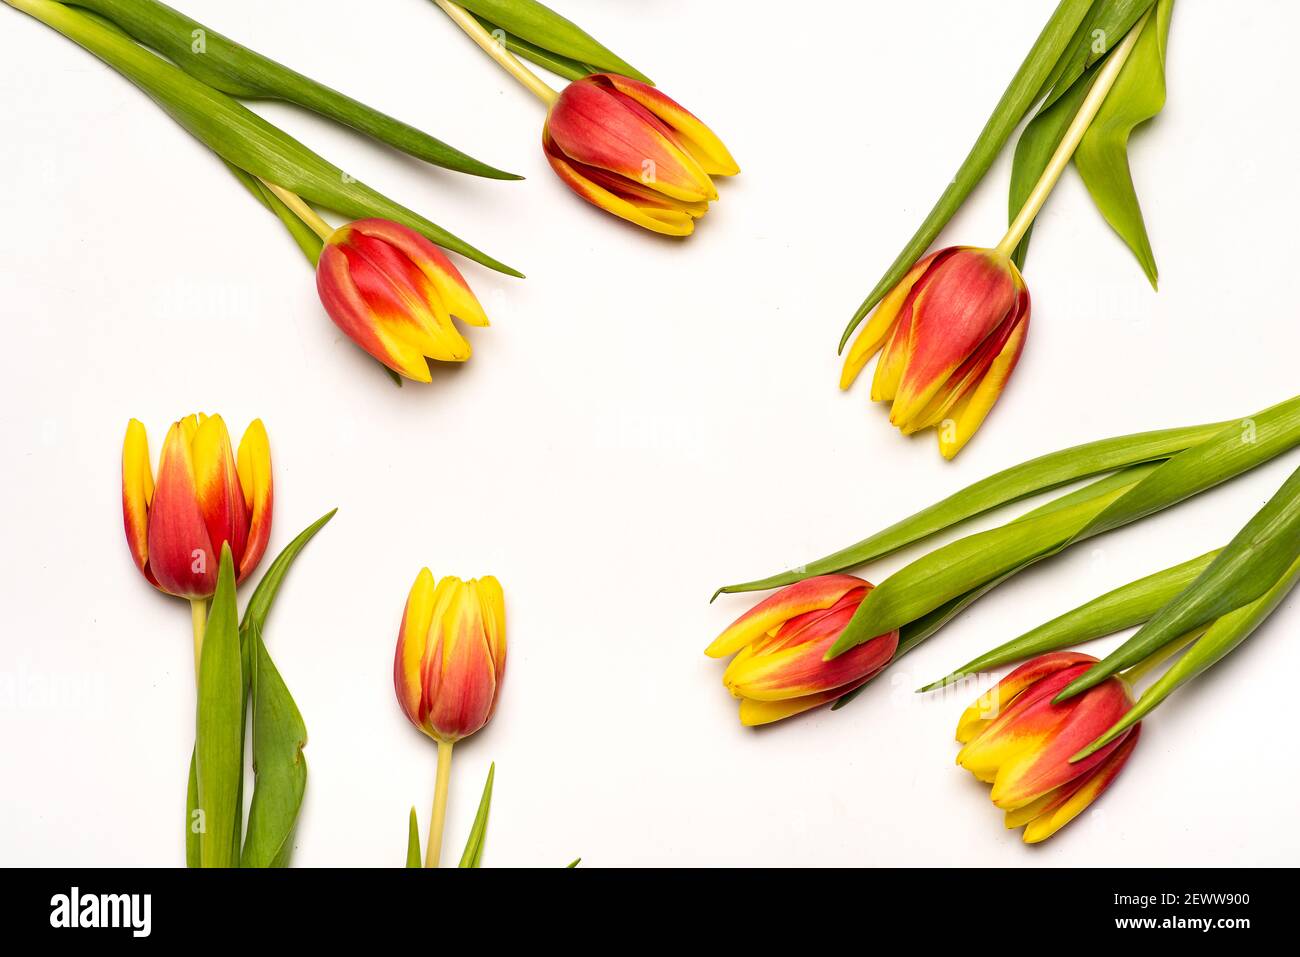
451 657
949 335
629 149
204 496
780 644
614 139
1016 739
394 293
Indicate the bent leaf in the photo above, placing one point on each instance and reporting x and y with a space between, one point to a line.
219 753
1025 89
238 71
540 25
307 240
238 135
473 856
279 768
1102 156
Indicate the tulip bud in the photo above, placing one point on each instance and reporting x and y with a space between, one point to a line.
1021 743
780 644
951 333
394 293
451 655
203 498
629 149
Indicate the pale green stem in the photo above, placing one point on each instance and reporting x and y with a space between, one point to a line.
199 618
434 849
1070 141
497 51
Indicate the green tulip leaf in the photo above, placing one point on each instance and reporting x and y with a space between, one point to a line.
473 856
235 70
949 572
1025 89
238 135
1252 563
559 65
541 26
1035 148
1124 607
1010 485
279 733
1102 156
954 570
1222 637
1104 27
193 821
279 768
413 841
219 753
310 244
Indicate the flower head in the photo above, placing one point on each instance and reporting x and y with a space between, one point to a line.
394 293
204 496
1016 739
950 334
629 149
451 655
780 645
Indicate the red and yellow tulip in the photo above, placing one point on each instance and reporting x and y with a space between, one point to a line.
204 496
779 645
1016 739
451 655
629 149
394 293
950 334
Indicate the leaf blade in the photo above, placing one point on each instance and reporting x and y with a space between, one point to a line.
1102 156
473 855
219 756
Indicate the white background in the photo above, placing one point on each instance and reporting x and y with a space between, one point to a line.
645 420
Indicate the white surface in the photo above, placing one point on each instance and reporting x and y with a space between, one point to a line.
645 420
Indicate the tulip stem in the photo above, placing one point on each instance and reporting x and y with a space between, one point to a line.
199 617
495 47
300 209
434 849
1070 141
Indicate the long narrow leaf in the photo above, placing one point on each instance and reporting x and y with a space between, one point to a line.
238 135
1025 89
1219 639
473 856
540 25
928 583
1252 563
557 64
219 733
413 841
1122 608
259 606
1102 156
279 768
1010 485
238 71
950 572
193 820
